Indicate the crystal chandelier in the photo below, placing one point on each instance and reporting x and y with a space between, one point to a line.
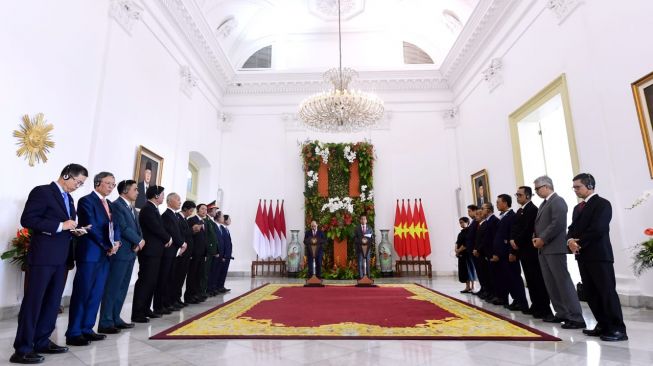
341 109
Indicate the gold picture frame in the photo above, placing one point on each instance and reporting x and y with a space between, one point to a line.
481 188
146 159
643 93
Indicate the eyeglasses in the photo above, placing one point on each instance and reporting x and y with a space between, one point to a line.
110 184
538 188
519 194
575 188
78 182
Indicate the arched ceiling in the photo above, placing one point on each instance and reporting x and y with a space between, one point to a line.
303 33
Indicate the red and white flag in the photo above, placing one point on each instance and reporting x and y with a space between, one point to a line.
282 233
275 232
270 219
261 242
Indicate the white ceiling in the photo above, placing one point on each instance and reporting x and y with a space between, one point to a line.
303 33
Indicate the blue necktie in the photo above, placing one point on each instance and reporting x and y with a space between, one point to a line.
66 202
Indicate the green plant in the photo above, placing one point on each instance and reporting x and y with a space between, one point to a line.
19 247
643 257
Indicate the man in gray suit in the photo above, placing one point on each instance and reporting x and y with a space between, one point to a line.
551 241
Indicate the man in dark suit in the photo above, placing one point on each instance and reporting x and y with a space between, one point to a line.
164 302
522 249
507 273
211 271
227 254
550 239
183 261
485 233
318 235
363 231
589 239
157 240
121 265
50 214
193 293
216 221
92 256
144 185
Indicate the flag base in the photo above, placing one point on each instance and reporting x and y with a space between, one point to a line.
314 282
365 282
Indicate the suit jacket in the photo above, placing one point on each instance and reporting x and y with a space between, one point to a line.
44 210
213 235
551 225
485 236
501 242
358 237
94 246
592 227
470 237
221 236
522 229
171 224
130 229
154 233
321 239
228 245
200 239
186 233
141 200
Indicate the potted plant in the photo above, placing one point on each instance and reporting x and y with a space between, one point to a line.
643 256
19 247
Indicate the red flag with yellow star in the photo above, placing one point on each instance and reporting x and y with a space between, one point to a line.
398 233
425 231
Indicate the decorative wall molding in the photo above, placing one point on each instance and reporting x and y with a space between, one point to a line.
225 29
188 82
562 8
493 75
126 13
225 121
451 118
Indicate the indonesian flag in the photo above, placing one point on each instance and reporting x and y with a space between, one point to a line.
282 232
399 241
273 250
275 232
425 231
261 242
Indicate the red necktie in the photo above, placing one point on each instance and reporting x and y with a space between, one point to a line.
581 206
106 207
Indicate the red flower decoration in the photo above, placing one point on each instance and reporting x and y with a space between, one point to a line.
649 231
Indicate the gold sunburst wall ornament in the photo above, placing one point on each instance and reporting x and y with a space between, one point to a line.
34 139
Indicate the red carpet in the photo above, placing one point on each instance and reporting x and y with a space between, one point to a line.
392 311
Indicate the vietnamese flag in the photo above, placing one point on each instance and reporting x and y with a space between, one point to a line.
405 244
418 243
399 245
411 242
425 231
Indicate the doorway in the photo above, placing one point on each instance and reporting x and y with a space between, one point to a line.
544 144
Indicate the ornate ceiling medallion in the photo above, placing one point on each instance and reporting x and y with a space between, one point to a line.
34 139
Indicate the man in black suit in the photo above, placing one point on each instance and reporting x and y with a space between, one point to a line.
215 220
157 240
198 259
227 254
363 231
318 235
50 214
522 249
485 233
589 239
183 261
164 302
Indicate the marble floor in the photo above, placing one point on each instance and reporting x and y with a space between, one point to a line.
132 347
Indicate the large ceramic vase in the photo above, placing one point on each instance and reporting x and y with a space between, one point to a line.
294 252
385 252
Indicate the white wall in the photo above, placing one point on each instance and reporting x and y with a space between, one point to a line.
599 48
106 92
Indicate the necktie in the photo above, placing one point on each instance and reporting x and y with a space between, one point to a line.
313 232
106 207
543 203
581 206
364 229
133 210
66 202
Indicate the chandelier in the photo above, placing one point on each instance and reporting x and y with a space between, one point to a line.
341 109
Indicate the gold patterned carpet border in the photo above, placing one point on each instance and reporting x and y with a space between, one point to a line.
390 311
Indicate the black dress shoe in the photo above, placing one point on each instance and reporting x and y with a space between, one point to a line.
27 358
570 324
109 330
94 336
553 319
527 311
614 336
517 306
152 315
174 307
191 300
161 312
596 332
53 348
497 301
181 304
140 319
77 341
126 325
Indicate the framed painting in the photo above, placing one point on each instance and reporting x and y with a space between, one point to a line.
643 93
148 171
481 188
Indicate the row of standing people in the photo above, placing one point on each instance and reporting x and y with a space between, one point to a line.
495 249
171 248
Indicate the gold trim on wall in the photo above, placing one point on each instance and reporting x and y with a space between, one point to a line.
557 86
646 125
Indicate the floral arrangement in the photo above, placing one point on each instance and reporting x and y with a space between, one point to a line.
349 154
336 204
643 257
19 247
311 178
322 151
366 195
